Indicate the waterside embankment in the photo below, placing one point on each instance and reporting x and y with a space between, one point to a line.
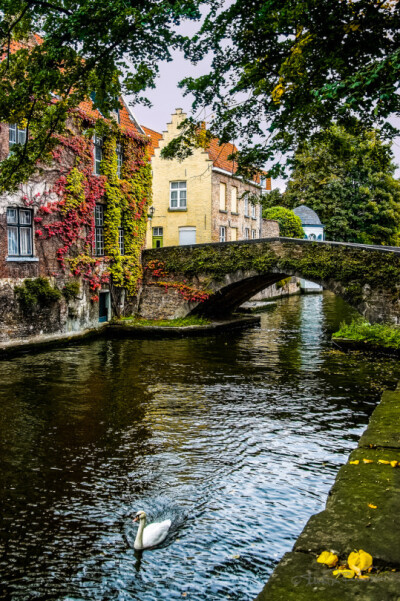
361 513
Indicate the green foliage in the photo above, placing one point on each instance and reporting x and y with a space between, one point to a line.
349 267
293 65
36 293
383 335
71 290
347 178
101 49
289 223
179 322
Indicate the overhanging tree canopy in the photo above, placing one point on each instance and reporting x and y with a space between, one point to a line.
283 69
103 48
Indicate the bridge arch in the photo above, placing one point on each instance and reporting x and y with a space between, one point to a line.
214 279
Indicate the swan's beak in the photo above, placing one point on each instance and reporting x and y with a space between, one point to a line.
136 519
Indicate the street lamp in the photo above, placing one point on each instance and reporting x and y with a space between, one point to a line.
151 212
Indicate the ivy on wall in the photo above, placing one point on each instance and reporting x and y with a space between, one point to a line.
70 219
350 267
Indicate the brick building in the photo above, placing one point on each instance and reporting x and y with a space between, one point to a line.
201 199
80 224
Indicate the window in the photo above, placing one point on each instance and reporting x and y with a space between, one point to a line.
233 234
120 159
19 232
263 181
234 200
247 233
177 195
253 211
246 205
222 197
98 154
253 234
121 241
222 233
99 231
16 135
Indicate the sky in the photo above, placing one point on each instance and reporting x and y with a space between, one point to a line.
166 97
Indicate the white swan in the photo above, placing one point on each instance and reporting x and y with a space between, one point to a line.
151 535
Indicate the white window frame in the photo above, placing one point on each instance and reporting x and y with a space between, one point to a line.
158 231
247 233
222 197
222 233
246 205
178 194
20 232
253 211
120 159
99 230
121 241
16 135
97 154
253 234
234 199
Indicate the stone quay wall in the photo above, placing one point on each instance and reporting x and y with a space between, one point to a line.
361 513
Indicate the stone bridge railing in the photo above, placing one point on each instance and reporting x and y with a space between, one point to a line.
214 279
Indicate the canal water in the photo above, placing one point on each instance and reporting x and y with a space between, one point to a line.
237 437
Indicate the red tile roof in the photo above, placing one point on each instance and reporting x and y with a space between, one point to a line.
155 138
217 152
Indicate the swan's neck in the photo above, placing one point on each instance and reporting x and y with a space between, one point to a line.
139 536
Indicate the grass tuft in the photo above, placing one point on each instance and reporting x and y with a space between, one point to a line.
179 322
378 334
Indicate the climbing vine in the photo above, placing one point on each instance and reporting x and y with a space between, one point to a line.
71 218
157 269
352 269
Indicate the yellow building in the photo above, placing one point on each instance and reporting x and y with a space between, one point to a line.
200 199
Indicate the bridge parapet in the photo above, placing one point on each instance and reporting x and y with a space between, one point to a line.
214 279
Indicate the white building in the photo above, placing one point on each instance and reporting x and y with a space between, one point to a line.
313 230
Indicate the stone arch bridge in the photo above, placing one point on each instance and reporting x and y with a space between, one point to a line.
214 279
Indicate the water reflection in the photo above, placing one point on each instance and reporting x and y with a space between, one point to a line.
242 434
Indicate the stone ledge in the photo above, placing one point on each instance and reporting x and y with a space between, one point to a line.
346 344
123 329
299 577
349 523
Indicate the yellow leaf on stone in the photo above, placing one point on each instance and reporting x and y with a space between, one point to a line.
346 573
394 463
359 561
372 506
383 461
355 462
368 461
327 558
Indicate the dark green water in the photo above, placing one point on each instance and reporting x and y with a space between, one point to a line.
239 437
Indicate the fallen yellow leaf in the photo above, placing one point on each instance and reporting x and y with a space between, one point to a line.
394 463
327 558
346 573
372 506
355 462
359 561
383 461
368 461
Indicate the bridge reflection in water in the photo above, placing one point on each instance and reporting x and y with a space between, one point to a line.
244 432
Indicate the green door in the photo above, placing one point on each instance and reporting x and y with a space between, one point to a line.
157 237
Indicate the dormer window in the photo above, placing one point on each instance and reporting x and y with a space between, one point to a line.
98 154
